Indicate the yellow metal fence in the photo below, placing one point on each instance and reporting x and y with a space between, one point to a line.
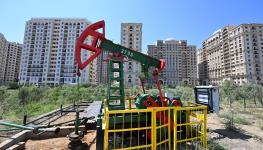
156 128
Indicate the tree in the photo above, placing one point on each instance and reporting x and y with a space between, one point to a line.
2 101
2 94
260 95
23 96
243 93
185 92
230 91
255 92
13 85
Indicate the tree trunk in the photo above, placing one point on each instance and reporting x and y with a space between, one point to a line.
230 101
244 100
255 102
232 119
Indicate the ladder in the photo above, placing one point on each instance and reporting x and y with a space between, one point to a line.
115 92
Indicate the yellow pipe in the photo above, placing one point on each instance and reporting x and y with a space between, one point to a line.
169 129
161 126
162 142
190 139
205 126
175 129
153 129
134 147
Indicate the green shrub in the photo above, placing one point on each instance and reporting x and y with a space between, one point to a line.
224 115
241 120
228 120
214 145
23 95
13 86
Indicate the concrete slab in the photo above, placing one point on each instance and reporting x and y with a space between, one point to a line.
92 111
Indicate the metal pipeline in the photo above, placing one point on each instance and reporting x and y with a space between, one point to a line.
9 129
34 129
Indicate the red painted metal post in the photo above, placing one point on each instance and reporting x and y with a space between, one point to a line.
155 76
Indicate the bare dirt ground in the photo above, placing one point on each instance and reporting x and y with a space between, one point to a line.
88 143
68 117
246 137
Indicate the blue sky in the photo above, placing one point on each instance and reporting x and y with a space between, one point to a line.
192 20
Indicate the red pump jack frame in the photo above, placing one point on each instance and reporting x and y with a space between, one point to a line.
91 32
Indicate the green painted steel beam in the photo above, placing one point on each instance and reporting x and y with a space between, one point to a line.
144 59
27 127
9 129
16 126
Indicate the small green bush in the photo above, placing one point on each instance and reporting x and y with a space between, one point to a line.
228 120
214 145
241 120
224 115
13 86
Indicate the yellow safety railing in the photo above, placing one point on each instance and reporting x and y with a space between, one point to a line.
156 128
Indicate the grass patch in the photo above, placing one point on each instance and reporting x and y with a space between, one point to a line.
241 120
237 119
224 115
214 145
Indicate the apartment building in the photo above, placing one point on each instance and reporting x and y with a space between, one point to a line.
180 61
13 59
235 52
131 37
10 57
102 68
202 67
49 52
3 56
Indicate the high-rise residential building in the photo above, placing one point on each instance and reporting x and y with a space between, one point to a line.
235 52
202 67
131 37
102 68
10 57
49 52
14 51
3 56
180 61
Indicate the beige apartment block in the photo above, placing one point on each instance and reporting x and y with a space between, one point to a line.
10 57
102 68
131 37
234 52
180 60
202 67
49 52
14 51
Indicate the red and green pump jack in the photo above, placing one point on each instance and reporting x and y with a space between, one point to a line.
114 101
